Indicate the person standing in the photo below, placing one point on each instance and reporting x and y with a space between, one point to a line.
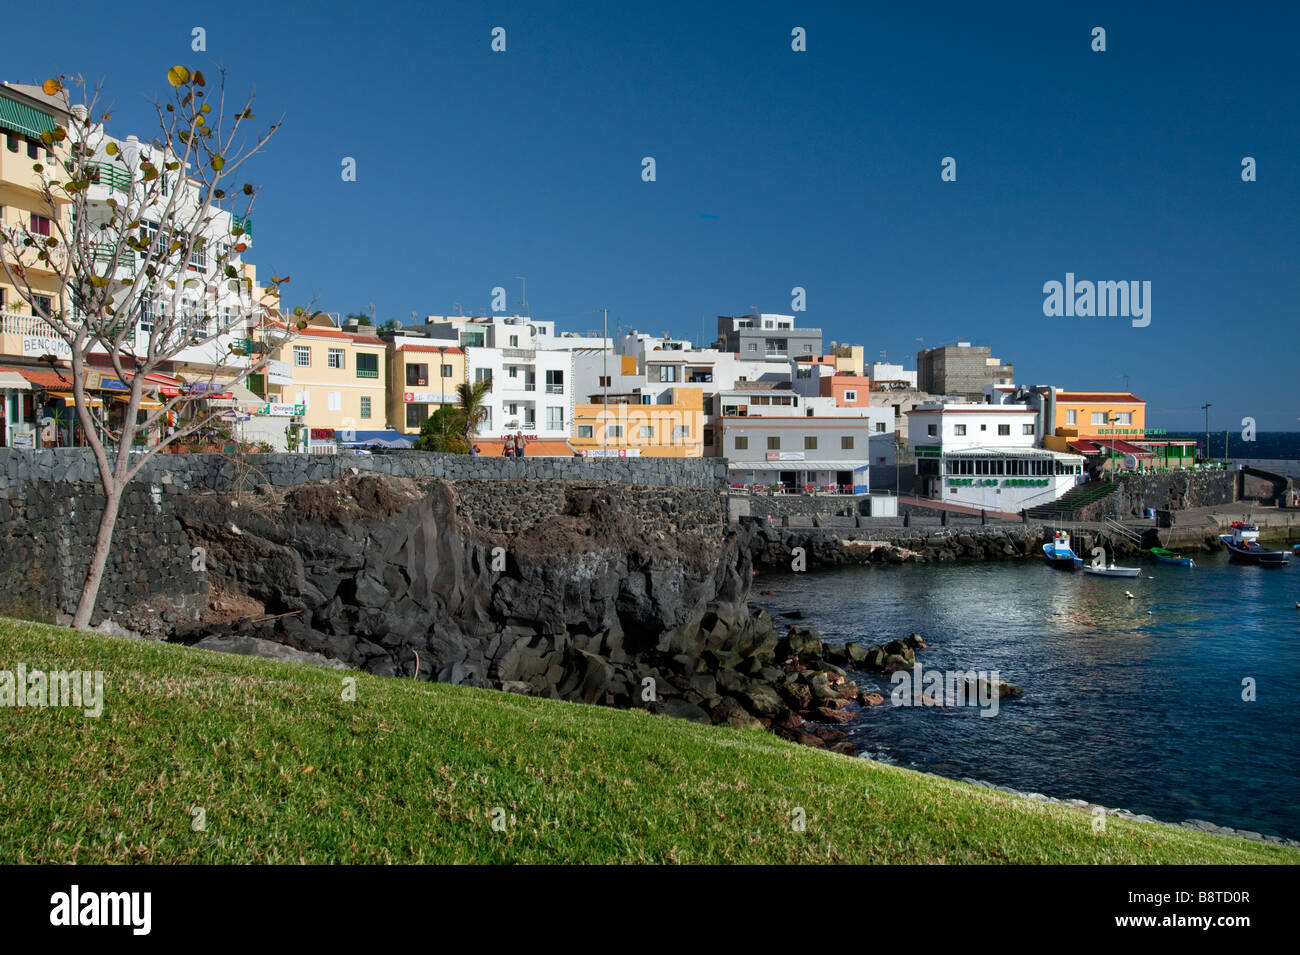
519 444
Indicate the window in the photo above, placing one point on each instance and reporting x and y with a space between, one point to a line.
334 400
959 429
984 427
932 430
11 140
614 431
880 427
774 443
417 374
1124 417
807 349
681 431
809 442
584 431
647 431
604 381
742 444
1004 430
850 396
1099 417
302 356
667 372
513 371
555 418
446 371
708 436
365 406
554 382
415 415
367 365
1072 416
846 442
804 372
482 374
33 150
44 305
514 341
199 259
753 346
40 225
335 358
1026 429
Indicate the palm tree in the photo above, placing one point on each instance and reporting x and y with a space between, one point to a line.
473 404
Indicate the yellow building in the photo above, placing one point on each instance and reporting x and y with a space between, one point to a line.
424 378
1095 415
339 377
674 430
25 113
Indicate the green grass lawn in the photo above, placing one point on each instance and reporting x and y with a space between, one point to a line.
288 771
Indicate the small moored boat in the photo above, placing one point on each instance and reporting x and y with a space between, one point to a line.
1169 557
1113 571
1059 554
1244 547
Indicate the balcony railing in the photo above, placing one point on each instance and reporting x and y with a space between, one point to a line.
521 354
103 252
109 174
245 223
11 323
552 389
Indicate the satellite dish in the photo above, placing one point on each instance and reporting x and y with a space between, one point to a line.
1130 462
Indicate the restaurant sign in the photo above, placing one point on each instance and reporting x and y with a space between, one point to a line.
427 397
785 456
1132 432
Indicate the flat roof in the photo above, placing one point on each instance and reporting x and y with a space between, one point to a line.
1012 453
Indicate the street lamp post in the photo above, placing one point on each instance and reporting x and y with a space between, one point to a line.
1206 408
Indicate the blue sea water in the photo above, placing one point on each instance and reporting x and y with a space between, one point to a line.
1269 445
1128 703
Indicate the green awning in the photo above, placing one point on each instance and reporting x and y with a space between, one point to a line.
24 119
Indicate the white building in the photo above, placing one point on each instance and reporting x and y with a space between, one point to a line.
893 375
984 456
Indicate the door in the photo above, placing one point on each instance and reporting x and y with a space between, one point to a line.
787 480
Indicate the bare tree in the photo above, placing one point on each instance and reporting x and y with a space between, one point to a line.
145 247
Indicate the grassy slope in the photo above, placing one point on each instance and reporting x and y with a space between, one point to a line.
289 772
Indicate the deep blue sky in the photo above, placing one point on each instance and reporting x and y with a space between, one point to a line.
821 168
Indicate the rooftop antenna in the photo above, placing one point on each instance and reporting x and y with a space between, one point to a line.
523 302
459 309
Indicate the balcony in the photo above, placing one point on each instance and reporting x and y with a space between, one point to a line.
520 354
109 175
103 252
11 323
243 222
552 389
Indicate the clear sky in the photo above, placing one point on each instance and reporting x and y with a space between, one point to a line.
775 169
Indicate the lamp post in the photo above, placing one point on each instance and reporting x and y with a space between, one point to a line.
1112 417
1206 408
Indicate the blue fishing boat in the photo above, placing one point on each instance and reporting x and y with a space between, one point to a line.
1059 554
1244 547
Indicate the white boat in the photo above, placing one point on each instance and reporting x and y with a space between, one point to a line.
1113 571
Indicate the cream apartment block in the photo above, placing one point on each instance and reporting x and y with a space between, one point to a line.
338 377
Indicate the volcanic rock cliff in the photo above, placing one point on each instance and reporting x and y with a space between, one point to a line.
549 587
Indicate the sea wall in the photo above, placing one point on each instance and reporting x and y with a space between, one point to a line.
1163 490
218 472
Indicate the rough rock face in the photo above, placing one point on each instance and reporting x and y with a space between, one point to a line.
387 575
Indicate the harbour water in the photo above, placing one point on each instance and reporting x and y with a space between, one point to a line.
1133 703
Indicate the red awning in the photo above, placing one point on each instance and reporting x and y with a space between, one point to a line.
1123 447
1084 447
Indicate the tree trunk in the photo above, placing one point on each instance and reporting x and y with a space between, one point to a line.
99 560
